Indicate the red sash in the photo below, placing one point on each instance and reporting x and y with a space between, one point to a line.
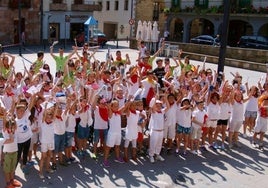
134 78
264 111
104 113
150 95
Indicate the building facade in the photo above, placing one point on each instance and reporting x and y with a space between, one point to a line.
29 21
116 18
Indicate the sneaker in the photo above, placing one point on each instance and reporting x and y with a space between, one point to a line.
204 148
261 147
198 152
41 176
152 159
54 166
106 164
237 144
159 158
215 145
193 152
16 183
119 160
177 151
30 163
94 156
245 135
68 161
230 146
80 153
222 147
25 170
73 160
254 144
184 152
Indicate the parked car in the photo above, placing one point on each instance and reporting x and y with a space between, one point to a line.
99 38
254 41
206 39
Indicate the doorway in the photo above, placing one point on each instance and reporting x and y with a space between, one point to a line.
53 32
16 39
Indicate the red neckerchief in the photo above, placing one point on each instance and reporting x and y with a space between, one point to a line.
104 113
118 58
119 98
10 94
106 81
240 102
86 108
59 117
159 112
38 109
49 122
171 103
117 112
133 111
46 90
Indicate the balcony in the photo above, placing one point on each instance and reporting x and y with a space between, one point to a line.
57 6
14 4
86 7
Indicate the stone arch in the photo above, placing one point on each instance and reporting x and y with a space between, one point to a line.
263 31
176 29
238 28
201 26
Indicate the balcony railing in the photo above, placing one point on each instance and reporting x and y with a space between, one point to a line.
218 9
86 7
58 6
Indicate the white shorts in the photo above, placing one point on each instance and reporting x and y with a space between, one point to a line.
261 125
235 126
196 133
47 147
113 139
212 123
170 131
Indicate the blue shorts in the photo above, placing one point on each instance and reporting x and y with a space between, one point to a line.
99 133
59 143
251 114
183 130
83 132
69 137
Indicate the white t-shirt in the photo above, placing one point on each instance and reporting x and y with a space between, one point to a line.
157 120
132 125
225 111
11 147
237 112
184 118
23 127
86 118
213 111
46 133
71 122
199 116
171 115
59 125
115 124
100 123
252 104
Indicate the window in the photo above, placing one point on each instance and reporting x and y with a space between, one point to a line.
126 5
201 3
107 5
79 2
116 4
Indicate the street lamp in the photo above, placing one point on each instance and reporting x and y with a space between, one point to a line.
19 29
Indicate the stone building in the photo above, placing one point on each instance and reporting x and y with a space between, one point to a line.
9 19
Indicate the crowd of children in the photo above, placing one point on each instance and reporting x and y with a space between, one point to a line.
183 104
